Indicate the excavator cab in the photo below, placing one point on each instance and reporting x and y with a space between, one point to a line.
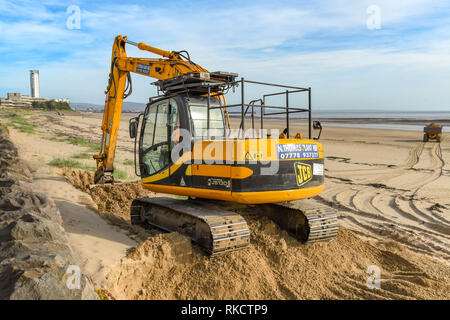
166 122
243 165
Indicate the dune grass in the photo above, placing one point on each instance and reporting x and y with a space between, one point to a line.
4 128
78 142
83 155
69 163
120 174
74 164
84 143
16 119
129 162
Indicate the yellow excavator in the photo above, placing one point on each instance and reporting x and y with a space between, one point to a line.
190 143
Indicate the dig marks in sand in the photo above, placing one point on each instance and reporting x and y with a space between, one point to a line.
396 202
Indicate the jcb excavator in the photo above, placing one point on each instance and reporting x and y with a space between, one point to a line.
187 147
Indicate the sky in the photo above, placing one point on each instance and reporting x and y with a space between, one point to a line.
355 55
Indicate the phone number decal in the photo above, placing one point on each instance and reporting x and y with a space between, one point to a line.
297 151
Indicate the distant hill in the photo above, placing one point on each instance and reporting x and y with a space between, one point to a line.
138 106
127 106
85 106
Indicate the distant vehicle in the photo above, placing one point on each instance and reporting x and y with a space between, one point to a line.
432 132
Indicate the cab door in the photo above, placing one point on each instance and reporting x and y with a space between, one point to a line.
161 119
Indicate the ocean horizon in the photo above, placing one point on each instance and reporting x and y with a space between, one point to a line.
373 119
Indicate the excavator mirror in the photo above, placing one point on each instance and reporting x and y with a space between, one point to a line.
133 128
317 125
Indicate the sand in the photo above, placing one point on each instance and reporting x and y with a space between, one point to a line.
391 190
96 244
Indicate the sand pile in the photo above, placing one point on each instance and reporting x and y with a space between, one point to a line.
115 198
275 266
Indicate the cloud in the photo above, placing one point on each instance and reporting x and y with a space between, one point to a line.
326 44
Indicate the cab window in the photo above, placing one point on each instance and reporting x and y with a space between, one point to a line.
160 120
199 118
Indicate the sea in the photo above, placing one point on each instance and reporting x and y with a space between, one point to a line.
395 120
374 119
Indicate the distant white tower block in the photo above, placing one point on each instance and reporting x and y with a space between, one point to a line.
34 81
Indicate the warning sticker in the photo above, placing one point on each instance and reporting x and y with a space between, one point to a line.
318 169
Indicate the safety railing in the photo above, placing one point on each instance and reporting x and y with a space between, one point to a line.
272 110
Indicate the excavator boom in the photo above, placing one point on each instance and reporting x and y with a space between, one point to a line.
120 87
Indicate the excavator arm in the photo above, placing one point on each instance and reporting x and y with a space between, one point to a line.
173 64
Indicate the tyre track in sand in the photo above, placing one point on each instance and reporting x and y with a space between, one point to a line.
407 204
374 206
436 153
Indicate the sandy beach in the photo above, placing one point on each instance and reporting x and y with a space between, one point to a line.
391 190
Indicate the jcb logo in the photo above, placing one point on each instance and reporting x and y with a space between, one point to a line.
303 173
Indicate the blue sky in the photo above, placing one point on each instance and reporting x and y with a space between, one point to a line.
404 65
